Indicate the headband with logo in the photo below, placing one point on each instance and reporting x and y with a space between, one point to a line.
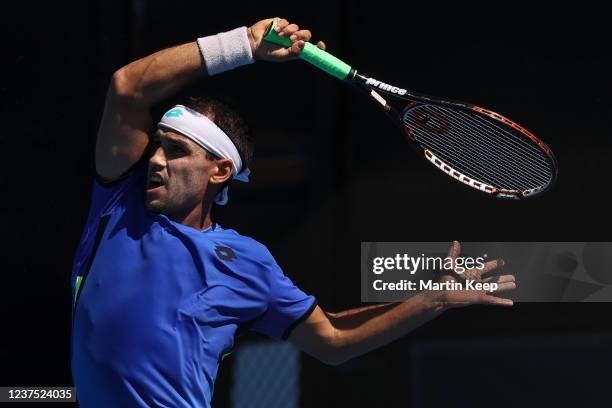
205 133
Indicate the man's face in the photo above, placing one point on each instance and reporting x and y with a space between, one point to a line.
179 174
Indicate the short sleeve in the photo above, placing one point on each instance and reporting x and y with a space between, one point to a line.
106 195
288 306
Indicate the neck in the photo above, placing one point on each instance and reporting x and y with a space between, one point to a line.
198 218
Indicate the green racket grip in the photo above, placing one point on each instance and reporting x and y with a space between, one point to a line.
311 53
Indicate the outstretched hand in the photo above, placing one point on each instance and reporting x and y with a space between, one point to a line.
266 51
457 298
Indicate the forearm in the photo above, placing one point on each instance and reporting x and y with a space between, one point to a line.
159 75
167 72
359 331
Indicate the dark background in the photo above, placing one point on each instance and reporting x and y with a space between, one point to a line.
329 172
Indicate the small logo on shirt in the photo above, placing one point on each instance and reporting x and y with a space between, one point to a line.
225 253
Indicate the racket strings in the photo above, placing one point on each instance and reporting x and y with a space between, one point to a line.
475 164
506 178
459 151
533 180
455 153
493 178
480 147
517 143
471 138
530 157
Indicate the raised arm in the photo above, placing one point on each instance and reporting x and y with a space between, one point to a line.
337 337
126 121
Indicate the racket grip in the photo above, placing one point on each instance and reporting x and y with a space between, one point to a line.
312 54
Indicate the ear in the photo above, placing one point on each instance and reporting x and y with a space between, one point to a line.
223 171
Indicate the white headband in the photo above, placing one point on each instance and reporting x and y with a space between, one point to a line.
205 133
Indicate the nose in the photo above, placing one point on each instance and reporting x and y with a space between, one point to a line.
158 159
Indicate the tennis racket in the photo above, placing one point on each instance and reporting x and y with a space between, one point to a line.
474 145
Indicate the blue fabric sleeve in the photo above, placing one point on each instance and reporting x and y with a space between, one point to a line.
287 306
106 195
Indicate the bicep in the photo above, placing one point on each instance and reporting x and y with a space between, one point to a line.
123 134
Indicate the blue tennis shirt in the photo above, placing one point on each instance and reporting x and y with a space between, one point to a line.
157 304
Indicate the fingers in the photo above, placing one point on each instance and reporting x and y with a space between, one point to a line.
281 23
503 282
492 265
297 47
293 32
298 37
476 273
304 35
457 298
500 279
288 30
501 287
454 250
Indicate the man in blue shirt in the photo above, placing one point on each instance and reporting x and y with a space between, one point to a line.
160 291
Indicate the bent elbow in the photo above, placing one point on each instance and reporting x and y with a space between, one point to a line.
123 86
333 352
119 83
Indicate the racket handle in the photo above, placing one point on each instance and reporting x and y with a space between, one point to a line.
311 53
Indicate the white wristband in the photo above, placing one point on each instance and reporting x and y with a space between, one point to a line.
226 51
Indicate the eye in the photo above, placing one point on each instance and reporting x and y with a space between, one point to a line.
174 148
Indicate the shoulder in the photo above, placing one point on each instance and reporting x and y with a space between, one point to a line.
242 258
107 194
228 241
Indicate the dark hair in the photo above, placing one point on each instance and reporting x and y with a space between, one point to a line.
227 119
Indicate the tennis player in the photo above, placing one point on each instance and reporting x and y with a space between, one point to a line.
160 290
